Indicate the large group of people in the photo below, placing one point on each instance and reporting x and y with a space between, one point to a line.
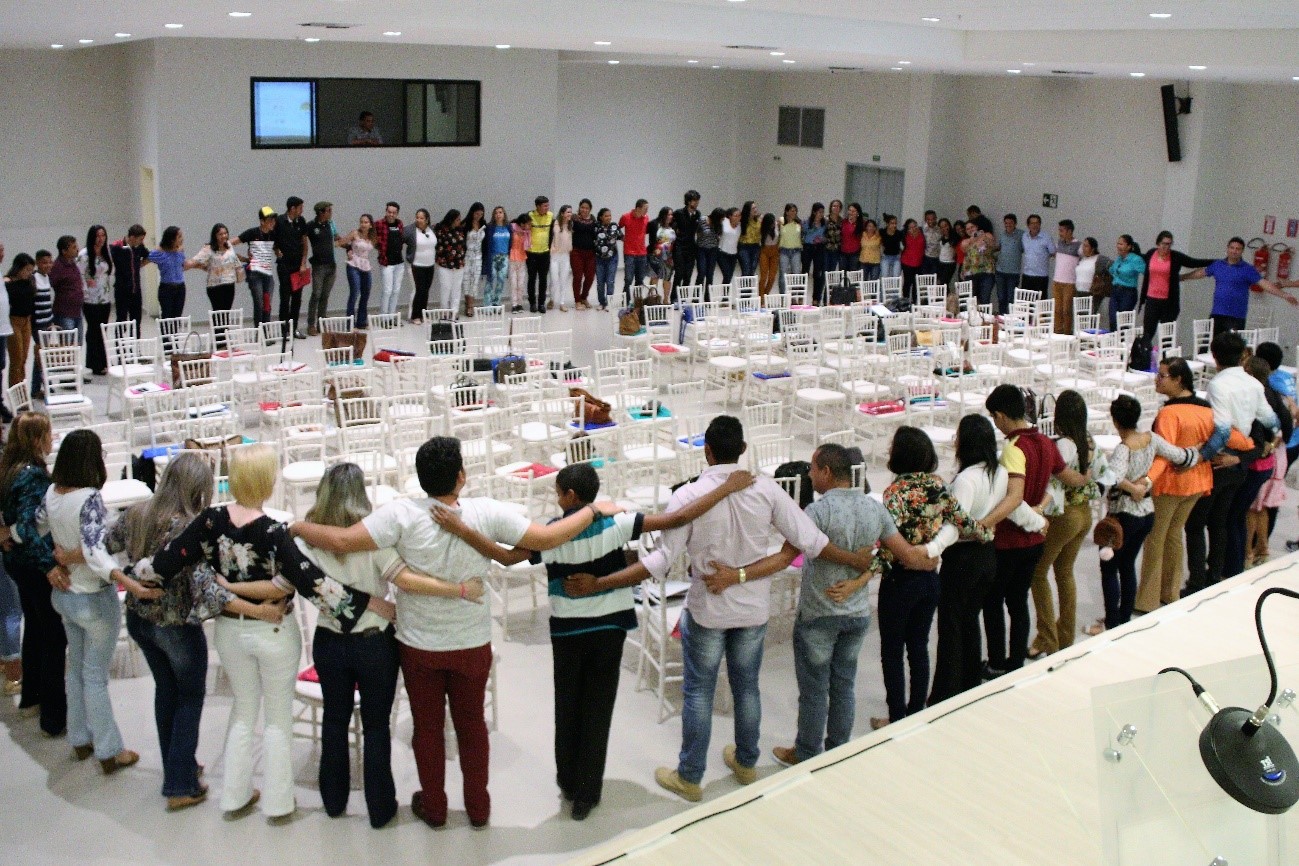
969 551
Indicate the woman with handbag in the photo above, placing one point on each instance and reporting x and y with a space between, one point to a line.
1131 505
1093 274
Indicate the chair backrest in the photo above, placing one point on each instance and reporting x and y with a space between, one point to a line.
197 371
337 324
658 317
56 337
20 397
1026 296
385 321
339 356
115 332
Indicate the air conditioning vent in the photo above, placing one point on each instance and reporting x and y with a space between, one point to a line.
752 47
1071 72
847 69
328 25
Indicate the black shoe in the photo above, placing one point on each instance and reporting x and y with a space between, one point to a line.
516 309
582 808
532 308
991 673
541 311
1292 546
417 807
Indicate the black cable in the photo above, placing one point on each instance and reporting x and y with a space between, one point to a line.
1195 685
1262 640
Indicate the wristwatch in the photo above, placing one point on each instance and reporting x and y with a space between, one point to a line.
743 576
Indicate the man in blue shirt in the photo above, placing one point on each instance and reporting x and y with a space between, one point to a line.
1233 277
1010 261
1037 251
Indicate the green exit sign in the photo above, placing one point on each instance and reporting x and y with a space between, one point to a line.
875 158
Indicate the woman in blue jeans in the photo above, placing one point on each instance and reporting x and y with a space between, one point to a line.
1125 271
85 595
919 503
359 244
169 629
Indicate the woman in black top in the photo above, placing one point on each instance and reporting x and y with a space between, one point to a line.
582 258
1167 309
22 304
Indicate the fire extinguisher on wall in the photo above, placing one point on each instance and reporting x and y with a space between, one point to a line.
1262 255
1285 255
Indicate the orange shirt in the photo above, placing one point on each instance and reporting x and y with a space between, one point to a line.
1187 422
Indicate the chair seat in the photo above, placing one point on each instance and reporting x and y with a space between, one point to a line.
821 396
643 453
303 471
940 435
64 401
130 371
864 388
247 377
728 363
1128 377
123 492
373 461
539 431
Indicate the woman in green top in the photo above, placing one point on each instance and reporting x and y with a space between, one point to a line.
791 244
750 238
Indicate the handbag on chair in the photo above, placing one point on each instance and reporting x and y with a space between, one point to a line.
185 355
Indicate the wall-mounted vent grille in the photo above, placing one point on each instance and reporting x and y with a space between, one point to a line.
1071 72
328 25
752 47
847 69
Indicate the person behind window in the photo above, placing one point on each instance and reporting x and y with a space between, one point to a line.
365 133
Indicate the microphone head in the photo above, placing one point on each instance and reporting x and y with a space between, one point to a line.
1259 771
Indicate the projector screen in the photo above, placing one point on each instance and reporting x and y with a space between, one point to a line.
284 113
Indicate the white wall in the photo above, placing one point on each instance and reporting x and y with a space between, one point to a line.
631 132
64 162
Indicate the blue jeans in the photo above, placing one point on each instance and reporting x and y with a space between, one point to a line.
350 663
177 657
825 665
605 272
634 271
1119 575
71 323
908 600
727 262
748 259
92 622
983 285
706 261
702 650
1122 299
11 619
791 262
870 272
498 274
260 286
358 295
891 266
1006 285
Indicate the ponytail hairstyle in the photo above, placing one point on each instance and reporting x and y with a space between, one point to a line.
1071 423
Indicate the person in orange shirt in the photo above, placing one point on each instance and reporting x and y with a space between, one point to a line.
1186 421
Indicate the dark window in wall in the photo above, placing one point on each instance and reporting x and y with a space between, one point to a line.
322 112
801 127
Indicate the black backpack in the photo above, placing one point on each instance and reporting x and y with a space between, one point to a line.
1139 357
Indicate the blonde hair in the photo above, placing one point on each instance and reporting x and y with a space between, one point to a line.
253 470
341 499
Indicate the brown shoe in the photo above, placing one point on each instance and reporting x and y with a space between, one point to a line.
120 761
313 331
469 307
877 723
785 755
80 753
744 775
175 804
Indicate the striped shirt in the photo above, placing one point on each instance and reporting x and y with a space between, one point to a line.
598 550
43 315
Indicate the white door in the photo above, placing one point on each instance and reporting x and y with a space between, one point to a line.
877 190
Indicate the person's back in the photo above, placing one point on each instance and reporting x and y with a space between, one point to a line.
852 521
1036 458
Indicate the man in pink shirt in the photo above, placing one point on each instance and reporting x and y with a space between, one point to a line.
635 257
1067 253
726 613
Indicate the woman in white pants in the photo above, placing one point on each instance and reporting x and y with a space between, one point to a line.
448 275
475 231
261 658
561 265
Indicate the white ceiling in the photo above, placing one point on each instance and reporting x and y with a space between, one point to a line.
1234 39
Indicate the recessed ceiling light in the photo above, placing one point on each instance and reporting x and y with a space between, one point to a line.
1295 78
614 62
1014 71
502 47
1137 74
692 61
904 63
931 20
789 61
122 35
1028 64
603 43
241 15
714 66
736 1
896 68
60 45
85 41
1161 15
392 33
311 39
777 54
1197 67
173 26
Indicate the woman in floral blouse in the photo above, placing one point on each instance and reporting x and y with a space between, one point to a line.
919 503
23 481
449 270
96 265
607 235
241 543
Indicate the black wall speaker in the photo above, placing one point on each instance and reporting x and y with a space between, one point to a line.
1171 134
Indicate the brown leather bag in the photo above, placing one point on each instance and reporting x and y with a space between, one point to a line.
183 354
594 410
215 448
354 339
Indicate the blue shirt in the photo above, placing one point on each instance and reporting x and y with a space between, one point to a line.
852 520
1127 270
813 234
1037 254
171 265
1231 290
1011 257
498 240
1283 383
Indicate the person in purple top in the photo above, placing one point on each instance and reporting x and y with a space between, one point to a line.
1233 277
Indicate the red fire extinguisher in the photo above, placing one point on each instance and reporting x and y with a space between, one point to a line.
1283 259
1262 255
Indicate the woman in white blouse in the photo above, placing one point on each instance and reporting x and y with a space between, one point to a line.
1090 263
96 265
728 244
561 266
223 268
969 567
421 254
85 596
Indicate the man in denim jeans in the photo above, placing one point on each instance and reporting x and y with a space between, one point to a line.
726 613
833 605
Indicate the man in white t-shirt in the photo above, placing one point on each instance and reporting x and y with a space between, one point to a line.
1064 283
445 643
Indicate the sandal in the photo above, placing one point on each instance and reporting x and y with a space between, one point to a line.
120 761
175 804
1094 629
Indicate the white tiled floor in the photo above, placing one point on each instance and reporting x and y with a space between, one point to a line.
59 811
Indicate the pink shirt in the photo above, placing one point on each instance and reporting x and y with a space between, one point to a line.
1157 287
733 533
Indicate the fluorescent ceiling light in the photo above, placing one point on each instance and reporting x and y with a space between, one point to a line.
122 35
896 68
1197 67
904 63
1014 71
311 39
60 45
931 20
502 47
602 42
392 33
715 66
777 54
692 61
85 41
614 62
1137 74
241 15
789 61
1161 15
173 26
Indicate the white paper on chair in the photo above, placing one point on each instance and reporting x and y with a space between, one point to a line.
674 588
882 311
